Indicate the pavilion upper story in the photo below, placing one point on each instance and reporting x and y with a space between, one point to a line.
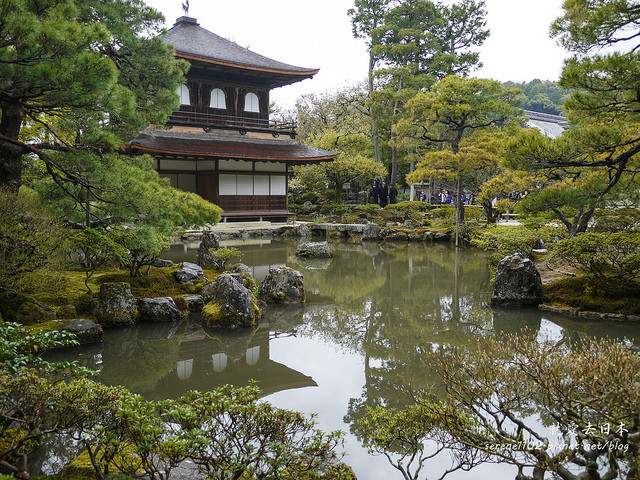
221 143
227 85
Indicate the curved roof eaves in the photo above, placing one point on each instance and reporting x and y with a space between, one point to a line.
191 39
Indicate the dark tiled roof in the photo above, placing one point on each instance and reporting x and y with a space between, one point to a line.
228 144
550 125
191 40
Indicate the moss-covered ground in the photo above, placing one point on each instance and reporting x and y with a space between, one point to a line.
67 296
578 292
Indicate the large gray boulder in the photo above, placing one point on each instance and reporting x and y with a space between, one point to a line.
116 305
304 231
85 330
189 274
194 303
229 303
517 282
159 309
282 285
314 250
370 231
210 243
242 269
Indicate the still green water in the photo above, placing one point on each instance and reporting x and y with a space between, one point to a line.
371 311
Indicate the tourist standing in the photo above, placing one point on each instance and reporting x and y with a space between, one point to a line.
393 193
384 194
376 190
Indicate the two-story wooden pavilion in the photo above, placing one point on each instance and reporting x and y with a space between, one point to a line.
221 143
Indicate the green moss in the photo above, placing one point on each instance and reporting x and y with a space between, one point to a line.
82 468
578 292
16 307
51 326
10 437
212 315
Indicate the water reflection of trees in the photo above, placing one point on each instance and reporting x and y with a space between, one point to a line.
390 303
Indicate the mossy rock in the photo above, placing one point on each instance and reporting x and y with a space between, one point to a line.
19 308
218 315
229 303
283 285
116 305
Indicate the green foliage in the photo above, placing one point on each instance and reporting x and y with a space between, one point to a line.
470 118
87 77
143 244
409 206
19 348
541 96
593 164
446 213
93 249
369 209
81 81
131 191
29 240
268 442
401 436
607 258
616 219
350 166
335 209
505 240
221 257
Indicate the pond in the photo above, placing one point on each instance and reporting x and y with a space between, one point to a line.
370 313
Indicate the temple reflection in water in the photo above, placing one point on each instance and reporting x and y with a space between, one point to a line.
207 359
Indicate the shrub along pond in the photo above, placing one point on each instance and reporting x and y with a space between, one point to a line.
371 311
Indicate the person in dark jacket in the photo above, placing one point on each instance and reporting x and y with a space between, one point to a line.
375 189
384 194
393 193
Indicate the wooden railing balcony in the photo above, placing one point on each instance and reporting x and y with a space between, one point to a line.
207 120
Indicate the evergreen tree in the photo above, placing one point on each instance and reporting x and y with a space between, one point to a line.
78 80
593 164
419 43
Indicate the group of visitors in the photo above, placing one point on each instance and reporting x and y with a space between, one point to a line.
443 198
382 193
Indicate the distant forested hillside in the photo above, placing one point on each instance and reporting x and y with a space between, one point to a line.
541 96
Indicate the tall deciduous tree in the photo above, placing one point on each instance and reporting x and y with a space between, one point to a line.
337 122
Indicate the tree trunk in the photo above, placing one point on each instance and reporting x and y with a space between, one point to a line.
459 213
11 155
488 211
337 190
374 129
394 149
394 164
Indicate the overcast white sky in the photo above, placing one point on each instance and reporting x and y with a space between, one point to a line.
317 33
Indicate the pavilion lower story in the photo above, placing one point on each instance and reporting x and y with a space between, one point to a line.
246 174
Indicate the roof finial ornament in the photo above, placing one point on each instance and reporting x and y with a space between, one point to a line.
185 7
